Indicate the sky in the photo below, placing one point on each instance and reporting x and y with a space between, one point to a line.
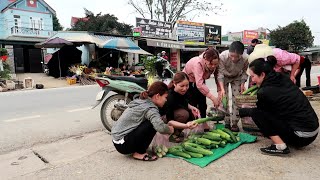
239 15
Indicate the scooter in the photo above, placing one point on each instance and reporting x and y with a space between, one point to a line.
124 89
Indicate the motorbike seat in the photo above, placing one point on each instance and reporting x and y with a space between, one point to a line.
143 82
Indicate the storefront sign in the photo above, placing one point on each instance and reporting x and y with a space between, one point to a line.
191 33
248 36
137 32
212 34
154 28
165 44
174 60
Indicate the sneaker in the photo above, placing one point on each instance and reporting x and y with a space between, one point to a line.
272 150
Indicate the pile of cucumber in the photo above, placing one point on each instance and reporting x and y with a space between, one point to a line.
251 91
197 146
160 150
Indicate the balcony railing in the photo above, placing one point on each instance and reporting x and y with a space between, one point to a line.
30 32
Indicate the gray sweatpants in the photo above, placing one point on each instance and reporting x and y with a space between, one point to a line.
235 84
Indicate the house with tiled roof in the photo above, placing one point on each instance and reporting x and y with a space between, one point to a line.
22 24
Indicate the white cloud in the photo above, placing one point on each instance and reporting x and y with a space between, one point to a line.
240 15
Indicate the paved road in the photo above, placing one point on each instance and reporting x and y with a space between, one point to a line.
36 116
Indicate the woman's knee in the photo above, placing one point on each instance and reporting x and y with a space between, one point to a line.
181 115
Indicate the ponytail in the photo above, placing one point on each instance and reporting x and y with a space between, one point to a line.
155 88
263 65
144 95
272 61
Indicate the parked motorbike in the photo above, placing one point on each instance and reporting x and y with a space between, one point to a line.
123 89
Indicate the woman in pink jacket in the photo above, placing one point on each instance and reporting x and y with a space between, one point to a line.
286 62
199 69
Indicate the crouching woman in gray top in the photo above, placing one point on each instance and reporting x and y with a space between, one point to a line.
135 129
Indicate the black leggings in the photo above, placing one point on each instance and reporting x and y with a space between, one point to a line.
197 99
305 65
270 125
138 140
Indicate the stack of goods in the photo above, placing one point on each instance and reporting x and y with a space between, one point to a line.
248 99
200 145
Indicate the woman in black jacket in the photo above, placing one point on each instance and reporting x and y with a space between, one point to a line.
179 113
283 112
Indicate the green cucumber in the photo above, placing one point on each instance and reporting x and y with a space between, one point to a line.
213 138
193 154
251 89
233 137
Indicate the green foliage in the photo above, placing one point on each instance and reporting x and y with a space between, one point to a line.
149 64
107 23
56 25
3 52
5 73
294 37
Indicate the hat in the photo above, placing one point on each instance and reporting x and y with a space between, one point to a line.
260 51
163 52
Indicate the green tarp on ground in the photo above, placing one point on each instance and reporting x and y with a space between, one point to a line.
217 153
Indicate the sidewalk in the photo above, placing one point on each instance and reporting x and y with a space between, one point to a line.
47 81
93 156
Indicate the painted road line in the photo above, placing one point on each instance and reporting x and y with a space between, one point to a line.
22 118
80 109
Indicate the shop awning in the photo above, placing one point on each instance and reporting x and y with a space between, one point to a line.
193 49
135 51
165 44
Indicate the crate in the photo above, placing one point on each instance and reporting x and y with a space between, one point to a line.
246 100
71 81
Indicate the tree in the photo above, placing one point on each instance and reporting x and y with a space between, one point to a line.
294 37
56 25
107 23
173 10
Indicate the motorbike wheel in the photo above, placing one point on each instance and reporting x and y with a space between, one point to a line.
106 108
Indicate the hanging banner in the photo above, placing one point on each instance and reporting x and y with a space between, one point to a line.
191 33
248 36
154 28
212 34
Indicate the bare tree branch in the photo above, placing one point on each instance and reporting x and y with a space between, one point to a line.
137 8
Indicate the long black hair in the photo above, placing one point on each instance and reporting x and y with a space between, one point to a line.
261 65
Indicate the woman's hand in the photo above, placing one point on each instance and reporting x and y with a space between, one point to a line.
171 129
195 111
293 79
216 102
191 124
221 93
242 88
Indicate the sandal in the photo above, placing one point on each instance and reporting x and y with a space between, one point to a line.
175 139
147 157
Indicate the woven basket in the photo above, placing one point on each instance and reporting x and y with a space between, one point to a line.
246 100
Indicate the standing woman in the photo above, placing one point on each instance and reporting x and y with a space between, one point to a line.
138 124
198 70
283 112
179 113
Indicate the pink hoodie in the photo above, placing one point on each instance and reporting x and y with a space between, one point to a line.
285 59
197 73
